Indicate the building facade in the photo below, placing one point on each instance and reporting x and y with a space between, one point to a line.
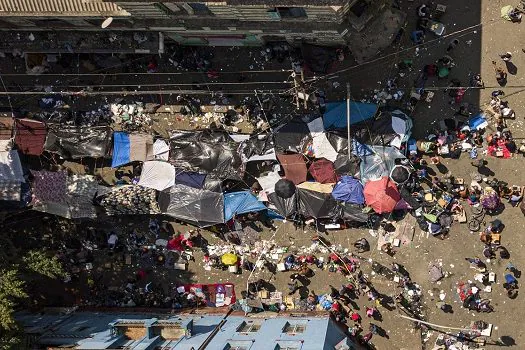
219 23
92 330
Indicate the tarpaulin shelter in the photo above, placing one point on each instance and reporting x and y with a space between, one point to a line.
294 167
292 137
354 212
388 128
400 174
268 181
255 148
30 136
157 175
129 148
285 188
323 171
320 146
161 150
284 206
72 142
190 178
349 189
382 195
334 116
207 151
11 176
316 201
240 203
196 206
381 163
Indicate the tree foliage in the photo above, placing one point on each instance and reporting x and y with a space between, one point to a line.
37 261
11 290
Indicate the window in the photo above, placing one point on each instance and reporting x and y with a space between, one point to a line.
294 328
249 327
238 345
288 345
287 12
200 9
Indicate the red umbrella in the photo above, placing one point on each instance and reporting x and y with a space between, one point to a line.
382 195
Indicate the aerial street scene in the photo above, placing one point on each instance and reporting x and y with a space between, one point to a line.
262 174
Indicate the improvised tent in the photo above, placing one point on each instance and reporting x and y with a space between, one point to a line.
255 148
334 116
349 190
284 197
285 188
157 175
294 167
323 171
72 142
268 181
380 163
240 203
30 136
292 137
389 128
129 148
207 151
316 201
161 150
400 174
198 207
190 178
382 195
11 176
354 212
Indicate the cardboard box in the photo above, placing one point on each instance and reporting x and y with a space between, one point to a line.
281 267
180 266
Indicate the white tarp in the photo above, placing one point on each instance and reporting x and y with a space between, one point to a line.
157 175
375 166
161 150
268 181
320 144
10 167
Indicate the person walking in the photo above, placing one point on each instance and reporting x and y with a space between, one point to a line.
452 45
507 56
293 285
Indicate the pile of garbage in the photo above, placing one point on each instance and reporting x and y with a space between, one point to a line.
130 116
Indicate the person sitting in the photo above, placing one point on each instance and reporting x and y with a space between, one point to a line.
362 245
503 252
515 197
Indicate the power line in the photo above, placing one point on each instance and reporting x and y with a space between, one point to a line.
141 92
146 73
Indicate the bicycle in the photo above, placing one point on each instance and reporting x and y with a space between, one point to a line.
476 218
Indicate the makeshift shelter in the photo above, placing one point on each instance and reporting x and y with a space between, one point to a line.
294 167
268 181
354 213
30 136
11 176
72 142
316 201
196 206
255 148
349 190
190 178
157 175
320 146
129 148
400 174
285 188
161 150
382 195
380 163
334 116
208 151
293 137
284 206
323 171
390 128
242 202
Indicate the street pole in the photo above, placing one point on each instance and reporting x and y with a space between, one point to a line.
348 118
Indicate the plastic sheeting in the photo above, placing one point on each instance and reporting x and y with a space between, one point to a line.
319 205
335 114
354 212
321 147
199 207
292 137
157 175
255 148
72 142
161 150
284 206
323 171
268 181
11 176
129 148
121 146
240 203
379 164
350 190
294 167
208 151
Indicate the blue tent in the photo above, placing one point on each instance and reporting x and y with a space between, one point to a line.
240 203
349 190
190 178
121 149
335 114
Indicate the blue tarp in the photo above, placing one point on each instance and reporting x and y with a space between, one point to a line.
335 114
360 150
190 178
476 121
240 203
121 148
349 190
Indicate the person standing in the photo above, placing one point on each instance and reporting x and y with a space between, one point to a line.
507 56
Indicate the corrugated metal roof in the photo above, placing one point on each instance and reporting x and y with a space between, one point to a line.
60 8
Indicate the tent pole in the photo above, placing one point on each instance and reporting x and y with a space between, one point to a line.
348 119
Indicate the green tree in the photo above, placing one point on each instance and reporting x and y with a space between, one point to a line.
39 262
11 290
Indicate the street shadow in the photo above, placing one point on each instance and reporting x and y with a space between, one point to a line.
511 68
485 171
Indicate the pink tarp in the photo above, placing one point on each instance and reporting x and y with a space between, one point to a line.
382 195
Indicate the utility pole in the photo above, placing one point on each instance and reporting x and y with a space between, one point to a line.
348 119
296 88
304 90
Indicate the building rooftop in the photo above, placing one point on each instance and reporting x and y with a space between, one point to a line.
77 8
284 3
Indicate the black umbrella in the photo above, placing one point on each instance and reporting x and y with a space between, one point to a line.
400 174
285 188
